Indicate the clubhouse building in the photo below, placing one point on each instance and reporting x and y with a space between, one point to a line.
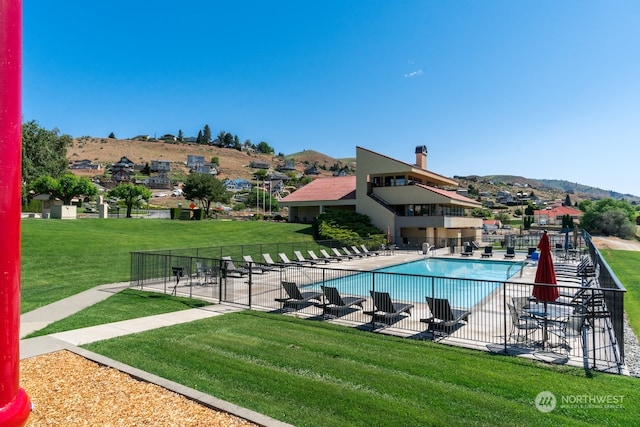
414 204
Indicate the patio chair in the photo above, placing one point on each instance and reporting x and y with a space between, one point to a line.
204 273
315 257
530 252
367 251
385 308
337 302
295 297
301 259
443 315
569 329
230 268
488 252
521 324
511 252
468 250
326 255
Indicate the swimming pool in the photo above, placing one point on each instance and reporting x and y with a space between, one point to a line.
463 282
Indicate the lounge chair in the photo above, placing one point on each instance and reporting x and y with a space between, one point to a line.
385 308
488 252
475 245
530 252
326 255
367 251
287 262
511 252
315 257
255 267
269 261
442 315
334 301
352 254
230 268
301 259
359 252
343 256
468 250
295 297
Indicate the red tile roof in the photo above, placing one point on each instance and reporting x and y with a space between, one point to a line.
335 188
559 211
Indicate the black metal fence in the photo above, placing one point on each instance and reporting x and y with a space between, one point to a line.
502 316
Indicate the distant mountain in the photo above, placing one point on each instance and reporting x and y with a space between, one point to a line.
551 185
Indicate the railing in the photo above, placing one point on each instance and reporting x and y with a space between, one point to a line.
488 327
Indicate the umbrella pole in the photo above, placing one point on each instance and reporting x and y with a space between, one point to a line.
544 331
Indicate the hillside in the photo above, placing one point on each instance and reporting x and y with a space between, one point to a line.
234 164
547 189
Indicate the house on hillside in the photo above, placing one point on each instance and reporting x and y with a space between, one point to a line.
122 170
235 185
160 166
84 164
160 181
258 164
415 204
288 166
206 168
553 215
312 170
194 161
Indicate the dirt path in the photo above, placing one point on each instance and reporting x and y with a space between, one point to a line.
616 243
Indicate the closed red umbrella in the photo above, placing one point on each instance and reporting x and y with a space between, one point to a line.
545 274
545 289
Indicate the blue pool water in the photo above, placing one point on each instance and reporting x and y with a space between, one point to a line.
463 282
456 268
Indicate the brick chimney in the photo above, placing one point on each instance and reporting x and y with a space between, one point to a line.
421 156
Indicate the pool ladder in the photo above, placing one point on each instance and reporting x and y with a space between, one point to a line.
522 264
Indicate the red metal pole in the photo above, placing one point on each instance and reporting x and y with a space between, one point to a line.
14 402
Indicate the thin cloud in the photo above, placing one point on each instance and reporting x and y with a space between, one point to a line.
413 74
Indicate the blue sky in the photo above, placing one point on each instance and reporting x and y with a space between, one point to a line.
542 89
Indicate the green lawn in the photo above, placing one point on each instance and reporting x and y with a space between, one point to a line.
124 305
317 374
62 258
625 264
301 371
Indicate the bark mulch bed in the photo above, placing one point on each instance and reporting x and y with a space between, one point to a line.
68 390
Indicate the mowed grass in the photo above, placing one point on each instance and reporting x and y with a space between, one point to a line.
625 264
62 258
299 371
124 305
318 374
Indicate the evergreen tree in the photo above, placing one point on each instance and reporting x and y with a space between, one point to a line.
206 134
567 201
199 138
112 135
180 135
